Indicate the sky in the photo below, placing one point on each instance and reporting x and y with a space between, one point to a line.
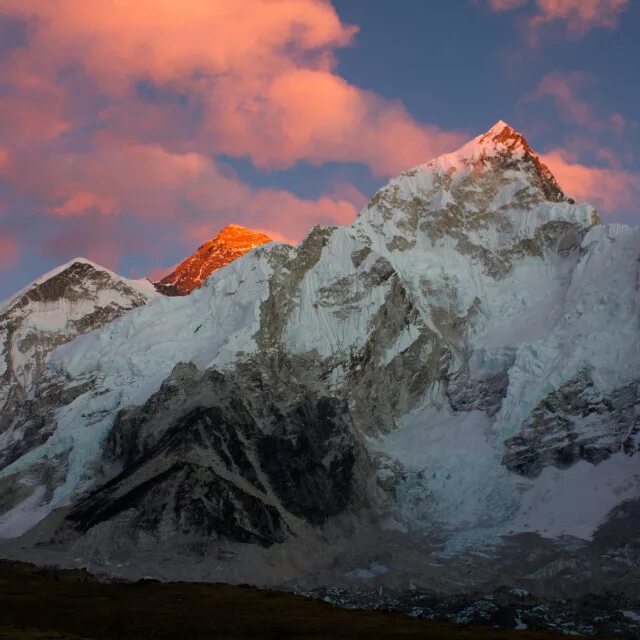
131 131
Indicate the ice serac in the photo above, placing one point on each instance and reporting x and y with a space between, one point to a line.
232 242
459 366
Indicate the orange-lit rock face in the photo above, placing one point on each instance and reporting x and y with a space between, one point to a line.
231 243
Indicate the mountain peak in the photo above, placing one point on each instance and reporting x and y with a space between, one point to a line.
504 134
499 140
498 126
491 192
230 243
78 270
500 149
232 226
236 234
502 128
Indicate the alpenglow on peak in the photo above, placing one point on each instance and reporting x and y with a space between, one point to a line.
489 162
230 243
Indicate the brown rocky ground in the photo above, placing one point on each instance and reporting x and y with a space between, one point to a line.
51 604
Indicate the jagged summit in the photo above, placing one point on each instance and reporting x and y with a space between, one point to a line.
504 134
492 199
230 243
499 126
503 148
492 190
502 128
498 138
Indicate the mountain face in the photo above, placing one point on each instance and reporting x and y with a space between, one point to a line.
231 243
457 370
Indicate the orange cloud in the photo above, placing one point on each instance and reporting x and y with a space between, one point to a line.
607 189
262 71
166 39
315 115
8 251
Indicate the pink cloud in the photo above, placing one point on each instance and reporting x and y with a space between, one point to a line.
157 273
564 89
101 238
506 5
263 72
35 112
149 182
607 189
8 251
344 191
81 202
5 158
166 39
578 16
283 213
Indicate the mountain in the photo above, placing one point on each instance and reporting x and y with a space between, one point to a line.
80 296
231 243
71 300
443 396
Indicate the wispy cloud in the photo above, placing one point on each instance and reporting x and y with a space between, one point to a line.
8 250
577 16
565 90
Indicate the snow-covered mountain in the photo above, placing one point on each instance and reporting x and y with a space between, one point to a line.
71 300
460 368
232 242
